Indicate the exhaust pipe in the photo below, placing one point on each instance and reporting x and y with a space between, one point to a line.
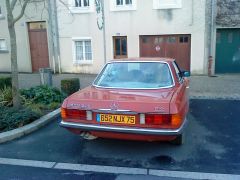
88 136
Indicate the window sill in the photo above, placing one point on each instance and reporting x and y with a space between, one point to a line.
4 51
83 62
124 8
79 10
170 6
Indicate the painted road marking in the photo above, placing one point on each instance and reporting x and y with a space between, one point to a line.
104 169
23 162
193 175
118 170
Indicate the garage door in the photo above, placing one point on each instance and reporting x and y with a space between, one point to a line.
228 51
173 46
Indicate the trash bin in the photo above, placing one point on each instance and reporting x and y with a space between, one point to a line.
45 76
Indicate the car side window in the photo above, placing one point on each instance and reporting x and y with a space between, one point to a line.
178 71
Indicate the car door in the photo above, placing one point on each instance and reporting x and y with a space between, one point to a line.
183 90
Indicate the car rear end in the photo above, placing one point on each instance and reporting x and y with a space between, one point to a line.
126 102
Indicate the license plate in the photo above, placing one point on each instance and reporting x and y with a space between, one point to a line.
113 118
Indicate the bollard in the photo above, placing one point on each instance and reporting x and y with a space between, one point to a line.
210 64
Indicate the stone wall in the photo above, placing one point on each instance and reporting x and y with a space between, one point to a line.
228 13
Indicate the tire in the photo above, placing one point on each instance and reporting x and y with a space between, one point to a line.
179 140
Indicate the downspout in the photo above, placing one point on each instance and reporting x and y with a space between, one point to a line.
104 33
211 60
212 27
51 34
57 37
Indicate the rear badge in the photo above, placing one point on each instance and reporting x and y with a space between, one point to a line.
114 106
159 109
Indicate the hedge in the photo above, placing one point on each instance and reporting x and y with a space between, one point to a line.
69 86
5 82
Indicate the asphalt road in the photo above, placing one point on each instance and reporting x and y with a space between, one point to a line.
212 145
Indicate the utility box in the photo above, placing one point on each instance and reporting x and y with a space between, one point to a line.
45 76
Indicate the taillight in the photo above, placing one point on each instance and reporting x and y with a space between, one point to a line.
158 119
176 120
169 120
76 114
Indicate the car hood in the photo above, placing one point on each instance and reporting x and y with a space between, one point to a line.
93 98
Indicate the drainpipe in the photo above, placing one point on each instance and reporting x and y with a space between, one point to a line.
57 37
212 40
104 33
212 26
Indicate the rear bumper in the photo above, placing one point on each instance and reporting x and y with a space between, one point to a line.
128 130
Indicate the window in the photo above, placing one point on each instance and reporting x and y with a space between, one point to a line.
81 3
218 38
120 47
82 51
183 39
123 5
1 14
230 37
178 71
3 45
171 39
167 4
145 39
135 75
123 2
81 6
158 40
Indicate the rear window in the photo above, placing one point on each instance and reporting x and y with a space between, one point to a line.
135 75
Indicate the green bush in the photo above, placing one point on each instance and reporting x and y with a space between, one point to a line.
42 95
5 82
70 86
6 96
11 118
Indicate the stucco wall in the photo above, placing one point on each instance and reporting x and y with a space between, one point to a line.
228 13
190 19
34 12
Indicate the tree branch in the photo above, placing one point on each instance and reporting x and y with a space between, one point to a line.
66 6
13 3
22 11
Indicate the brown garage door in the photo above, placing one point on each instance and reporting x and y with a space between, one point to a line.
38 45
173 46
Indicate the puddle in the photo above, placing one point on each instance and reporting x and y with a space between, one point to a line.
162 159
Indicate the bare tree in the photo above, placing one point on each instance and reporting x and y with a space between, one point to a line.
10 5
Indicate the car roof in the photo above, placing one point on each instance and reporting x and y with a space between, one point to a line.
145 59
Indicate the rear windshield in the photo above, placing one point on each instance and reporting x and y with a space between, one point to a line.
135 75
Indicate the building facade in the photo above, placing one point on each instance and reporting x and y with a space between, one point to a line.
227 44
34 39
133 28
84 36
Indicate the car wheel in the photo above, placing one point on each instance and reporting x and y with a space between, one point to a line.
179 140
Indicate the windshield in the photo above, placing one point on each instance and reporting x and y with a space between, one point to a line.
135 75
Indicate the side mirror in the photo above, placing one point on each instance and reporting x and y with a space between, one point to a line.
185 73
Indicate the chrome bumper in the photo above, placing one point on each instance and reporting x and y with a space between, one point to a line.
128 130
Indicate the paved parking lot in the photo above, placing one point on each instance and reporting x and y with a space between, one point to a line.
212 145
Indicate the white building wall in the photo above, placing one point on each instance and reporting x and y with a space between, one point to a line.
34 12
189 19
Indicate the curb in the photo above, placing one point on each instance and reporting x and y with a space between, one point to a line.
35 125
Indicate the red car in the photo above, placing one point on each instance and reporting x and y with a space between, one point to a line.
134 99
